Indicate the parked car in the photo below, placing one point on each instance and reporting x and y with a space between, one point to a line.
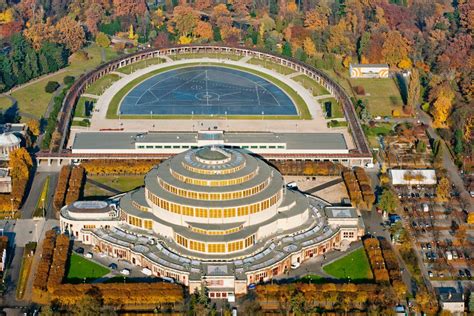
468 273
89 255
125 271
462 274
80 250
113 266
295 265
430 274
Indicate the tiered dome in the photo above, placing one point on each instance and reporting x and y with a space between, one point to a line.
213 200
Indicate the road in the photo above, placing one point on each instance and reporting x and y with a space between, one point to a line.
34 193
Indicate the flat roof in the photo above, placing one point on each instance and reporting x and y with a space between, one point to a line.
127 140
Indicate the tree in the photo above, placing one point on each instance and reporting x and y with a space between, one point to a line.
388 201
70 33
129 7
161 40
286 50
395 48
443 190
315 20
204 30
88 305
309 47
458 142
185 20
414 90
51 86
420 146
442 106
202 4
34 127
221 16
102 40
20 163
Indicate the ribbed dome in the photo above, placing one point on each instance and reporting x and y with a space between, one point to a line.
9 139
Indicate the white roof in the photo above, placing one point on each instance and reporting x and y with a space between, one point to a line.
8 139
413 176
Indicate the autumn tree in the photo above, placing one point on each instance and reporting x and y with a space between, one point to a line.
443 190
395 48
414 90
241 7
40 32
204 30
102 40
315 20
34 127
442 105
202 4
221 16
70 33
129 7
388 201
185 20
20 163
309 47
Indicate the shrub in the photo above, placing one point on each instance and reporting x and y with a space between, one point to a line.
359 90
69 80
51 86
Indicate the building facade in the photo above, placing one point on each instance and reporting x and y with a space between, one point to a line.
213 217
369 70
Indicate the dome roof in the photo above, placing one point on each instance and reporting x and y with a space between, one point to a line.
9 139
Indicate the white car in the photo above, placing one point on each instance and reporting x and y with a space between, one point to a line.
89 255
295 265
125 272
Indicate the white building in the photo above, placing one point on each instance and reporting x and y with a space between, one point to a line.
215 217
413 176
369 70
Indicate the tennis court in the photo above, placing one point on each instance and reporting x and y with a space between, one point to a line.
207 90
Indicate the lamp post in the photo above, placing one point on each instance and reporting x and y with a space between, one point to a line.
11 203
151 114
263 114
192 115
44 213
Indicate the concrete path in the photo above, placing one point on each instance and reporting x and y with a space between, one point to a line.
294 74
37 79
167 58
92 96
324 186
245 59
322 97
316 124
118 73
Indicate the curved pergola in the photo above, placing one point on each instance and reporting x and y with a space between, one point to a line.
65 116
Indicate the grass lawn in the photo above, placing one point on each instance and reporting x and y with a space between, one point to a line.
313 278
34 100
335 123
84 123
382 95
80 268
336 108
42 200
140 65
99 86
311 85
120 183
204 55
80 110
354 266
372 133
5 103
271 65
299 102
25 270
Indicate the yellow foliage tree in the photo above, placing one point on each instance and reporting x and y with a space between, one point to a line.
183 40
291 7
405 64
309 47
346 61
6 16
441 109
443 190
34 127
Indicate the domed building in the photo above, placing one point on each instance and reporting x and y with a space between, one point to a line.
8 142
213 217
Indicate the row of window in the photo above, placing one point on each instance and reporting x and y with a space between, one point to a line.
216 232
193 147
166 147
138 222
214 196
215 247
214 213
140 207
214 183
207 171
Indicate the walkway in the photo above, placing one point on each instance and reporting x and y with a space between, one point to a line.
294 74
92 96
245 59
324 186
118 73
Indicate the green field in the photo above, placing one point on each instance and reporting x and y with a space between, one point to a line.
100 85
335 123
80 268
140 65
204 55
354 266
372 132
271 65
5 103
311 85
115 102
336 108
381 95
121 183
83 123
313 278
34 100
80 110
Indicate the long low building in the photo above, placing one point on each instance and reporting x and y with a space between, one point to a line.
270 145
